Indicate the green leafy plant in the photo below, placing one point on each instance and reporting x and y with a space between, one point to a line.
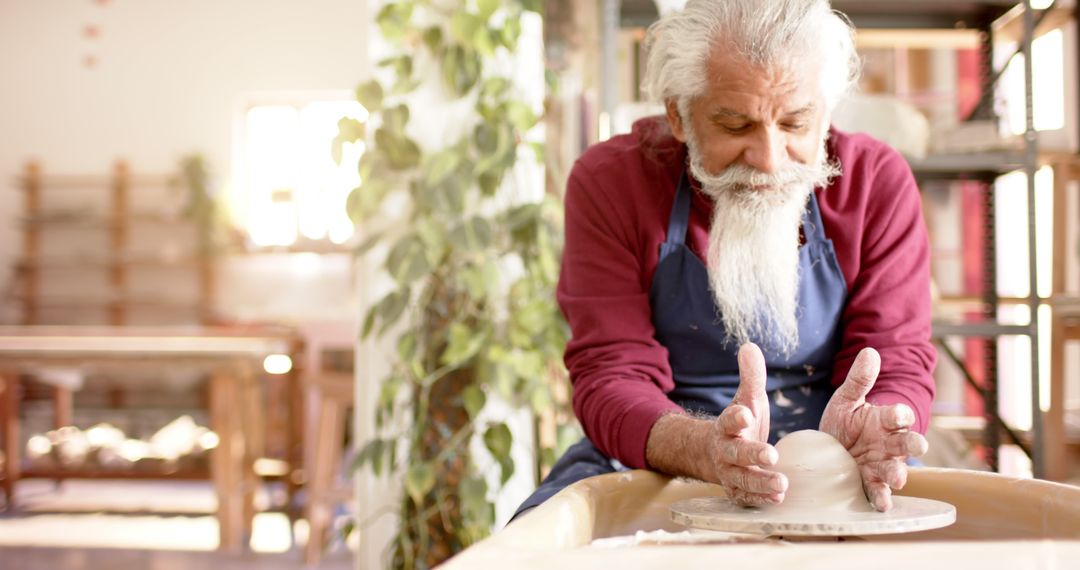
194 180
472 310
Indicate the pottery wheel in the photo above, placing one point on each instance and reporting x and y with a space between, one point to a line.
908 514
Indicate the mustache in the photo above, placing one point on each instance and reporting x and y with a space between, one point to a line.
742 177
739 176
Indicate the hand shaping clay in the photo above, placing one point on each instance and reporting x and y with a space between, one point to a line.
824 498
821 474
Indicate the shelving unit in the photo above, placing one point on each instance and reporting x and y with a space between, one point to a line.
107 244
96 250
983 168
923 14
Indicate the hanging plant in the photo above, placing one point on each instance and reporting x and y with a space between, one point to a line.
472 312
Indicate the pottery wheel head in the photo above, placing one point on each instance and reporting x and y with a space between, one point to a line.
909 514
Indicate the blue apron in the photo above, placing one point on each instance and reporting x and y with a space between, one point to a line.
704 366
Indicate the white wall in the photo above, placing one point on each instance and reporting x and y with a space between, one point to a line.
168 79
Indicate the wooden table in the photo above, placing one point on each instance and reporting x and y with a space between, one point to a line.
230 356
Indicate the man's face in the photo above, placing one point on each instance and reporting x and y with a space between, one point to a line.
756 117
756 145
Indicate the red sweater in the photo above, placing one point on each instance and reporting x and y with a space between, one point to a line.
618 199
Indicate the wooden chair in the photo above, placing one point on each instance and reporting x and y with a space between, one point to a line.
328 394
330 397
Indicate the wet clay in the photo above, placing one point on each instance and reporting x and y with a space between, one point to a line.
822 475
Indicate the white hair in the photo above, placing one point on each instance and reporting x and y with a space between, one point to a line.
765 33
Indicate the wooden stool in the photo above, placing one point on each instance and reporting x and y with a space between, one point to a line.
9 424
331 396
11 387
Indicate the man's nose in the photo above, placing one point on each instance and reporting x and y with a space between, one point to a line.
765 150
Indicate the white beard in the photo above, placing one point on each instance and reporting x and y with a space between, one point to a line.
753 255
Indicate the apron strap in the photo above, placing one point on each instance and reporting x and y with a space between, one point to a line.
813 229
680 212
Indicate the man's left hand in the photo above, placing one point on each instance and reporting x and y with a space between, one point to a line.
876 436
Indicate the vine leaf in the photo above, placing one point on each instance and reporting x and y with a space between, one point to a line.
520 115
473 235
498 440
394 20
464 26
479 513
486 8
370 95
365 199
461 69
433 38
441 165
387 310
349 131
407 260
473 399
511 32
419 480
464 344
402 153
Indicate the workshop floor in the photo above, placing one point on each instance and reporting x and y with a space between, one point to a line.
83 525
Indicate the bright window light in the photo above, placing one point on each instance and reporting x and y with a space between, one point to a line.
277 364
1012 252
291 186
1048 85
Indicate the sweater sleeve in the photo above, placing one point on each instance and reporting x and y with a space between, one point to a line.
889 302
620 373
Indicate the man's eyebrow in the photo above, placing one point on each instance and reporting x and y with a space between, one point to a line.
806 110
725 113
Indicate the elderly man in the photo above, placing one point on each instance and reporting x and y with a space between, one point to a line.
743 221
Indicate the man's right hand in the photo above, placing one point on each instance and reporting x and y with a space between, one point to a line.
742 435
731 450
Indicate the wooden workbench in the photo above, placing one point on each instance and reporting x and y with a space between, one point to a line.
229 356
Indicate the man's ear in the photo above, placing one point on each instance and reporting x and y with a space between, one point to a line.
675 120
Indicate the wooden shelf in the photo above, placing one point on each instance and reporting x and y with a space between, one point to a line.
274 250
923 14
1011 26
89 262
988 165
974 427
90 220
70 302
977 328
877 14
979 165
94 182
899 38
84 473
117 258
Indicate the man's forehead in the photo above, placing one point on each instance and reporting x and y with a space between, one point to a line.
791 86
784 72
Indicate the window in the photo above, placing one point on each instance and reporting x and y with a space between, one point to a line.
1048 85
288 189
